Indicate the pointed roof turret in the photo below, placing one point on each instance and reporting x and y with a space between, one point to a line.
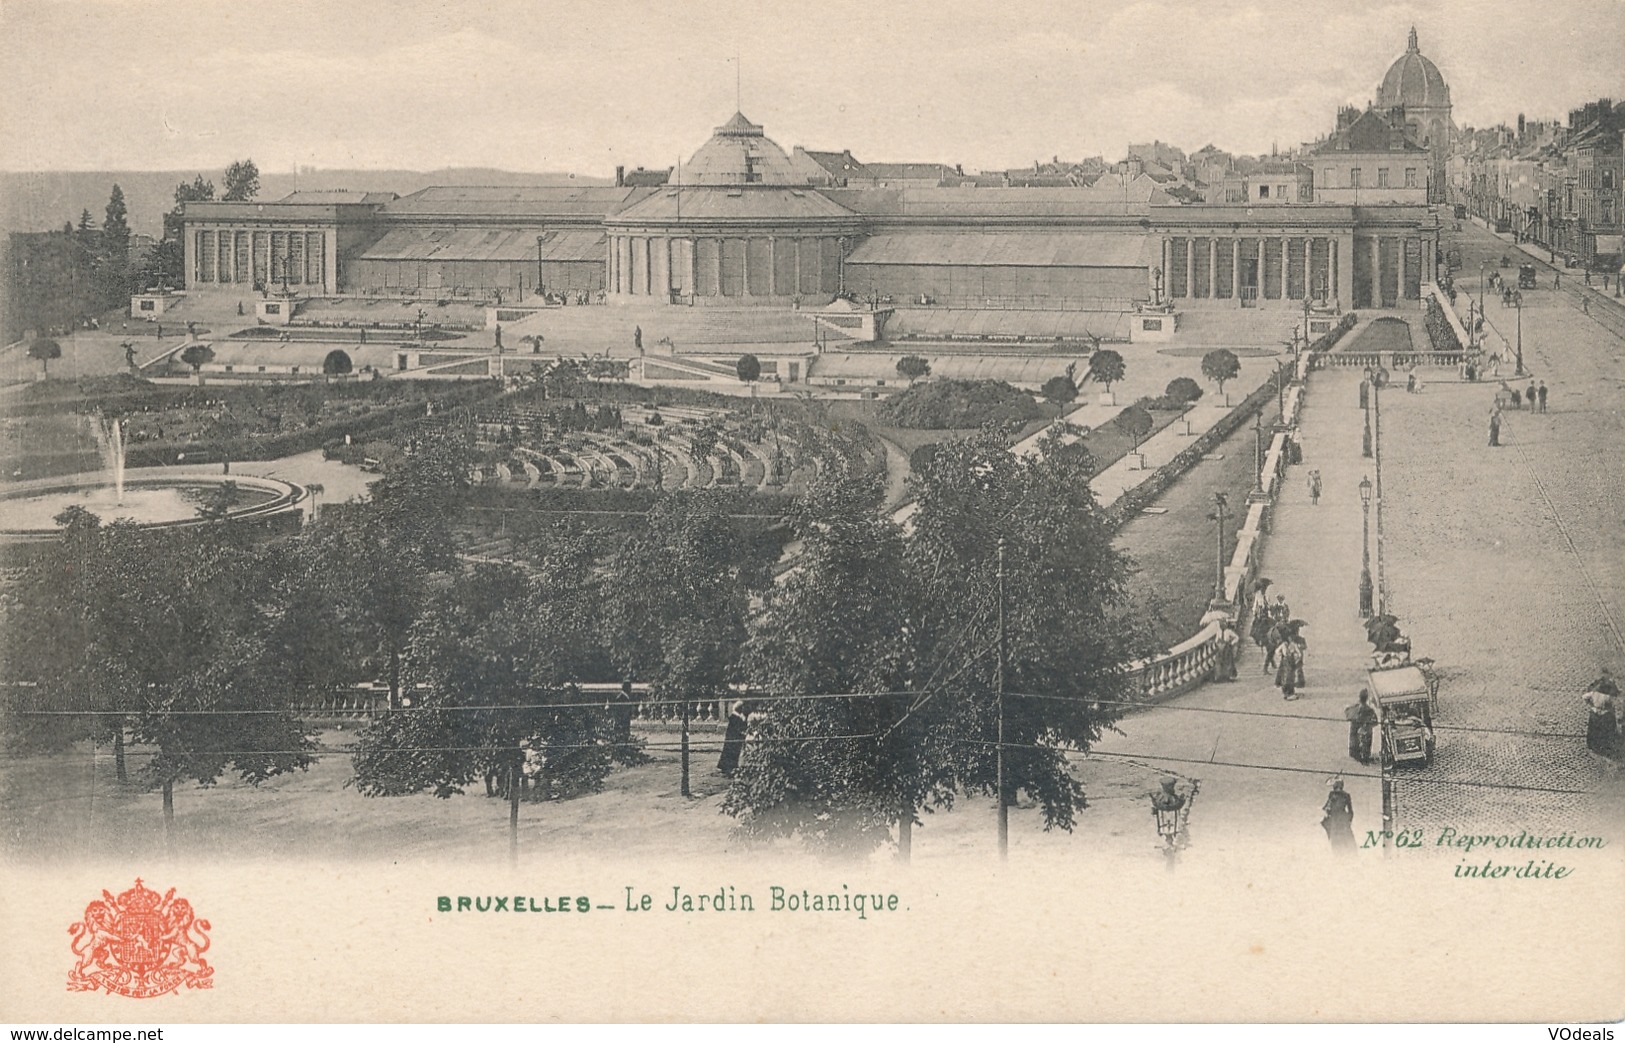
740 127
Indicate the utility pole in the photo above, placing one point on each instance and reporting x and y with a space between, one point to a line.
684 789
998 681
513 809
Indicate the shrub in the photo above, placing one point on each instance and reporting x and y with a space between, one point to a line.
1182 390
954 404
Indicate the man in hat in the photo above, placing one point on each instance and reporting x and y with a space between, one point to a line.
1362 718
1338 818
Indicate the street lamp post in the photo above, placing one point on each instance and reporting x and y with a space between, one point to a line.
1517 299
1258 449
1172 810
1220 503
1365 548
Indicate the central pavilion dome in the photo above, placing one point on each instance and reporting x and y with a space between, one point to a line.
738 153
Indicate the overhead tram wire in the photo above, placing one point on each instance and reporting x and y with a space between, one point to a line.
922 695
1135 757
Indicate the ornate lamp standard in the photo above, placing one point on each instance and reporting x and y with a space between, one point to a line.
1172 810
1365 548
1517 299
1220 504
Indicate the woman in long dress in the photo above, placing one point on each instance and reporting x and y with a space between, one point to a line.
1286 672
1338 820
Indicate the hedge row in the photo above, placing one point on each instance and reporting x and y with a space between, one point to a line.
318 436
1137 498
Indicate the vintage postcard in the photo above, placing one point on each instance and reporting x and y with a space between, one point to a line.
616 512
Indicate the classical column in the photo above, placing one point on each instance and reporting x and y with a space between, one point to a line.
744 269
773 266
1190 266
1286 265
1235 268
1308 267
1376 271
1402 243
720 244
1345 270
797 252
1212 267
1167 267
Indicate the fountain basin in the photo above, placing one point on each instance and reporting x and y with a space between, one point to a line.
153 497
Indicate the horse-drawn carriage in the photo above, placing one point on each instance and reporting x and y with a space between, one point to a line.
1405 698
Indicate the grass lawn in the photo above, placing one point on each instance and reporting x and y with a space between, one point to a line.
1175 551
1382 334
1106 444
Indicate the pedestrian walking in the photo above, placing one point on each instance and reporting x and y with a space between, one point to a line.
1362 718
1314 488
1529 396
1495 426
733 740
1557 280
1227 644
1541 391
1602 726
622 709
1585 305
1287 670
1410 378
1337 819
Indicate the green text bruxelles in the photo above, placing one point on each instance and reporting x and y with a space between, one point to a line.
725 899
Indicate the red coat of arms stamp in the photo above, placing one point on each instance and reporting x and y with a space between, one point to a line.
140 945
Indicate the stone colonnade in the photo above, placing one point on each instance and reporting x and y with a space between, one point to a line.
783 266
1290 267
249 256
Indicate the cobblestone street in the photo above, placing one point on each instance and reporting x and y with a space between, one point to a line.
1508 567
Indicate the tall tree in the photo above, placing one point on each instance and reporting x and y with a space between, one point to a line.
1220 365
166 266
164 635
1067 627
841 772
677 596
43 351
1107 367
116 229
870 612
494 661
242 181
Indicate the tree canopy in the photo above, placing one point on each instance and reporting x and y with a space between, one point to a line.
913 367
1220 365
242 181
749 368
1107 367
915 622
337 363
1060 390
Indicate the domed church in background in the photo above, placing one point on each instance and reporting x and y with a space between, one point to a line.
1415 85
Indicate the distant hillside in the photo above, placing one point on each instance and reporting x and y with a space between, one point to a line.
34 202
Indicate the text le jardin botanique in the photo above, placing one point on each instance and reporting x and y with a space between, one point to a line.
729 899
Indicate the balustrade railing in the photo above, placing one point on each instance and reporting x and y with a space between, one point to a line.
1389 360
1193 661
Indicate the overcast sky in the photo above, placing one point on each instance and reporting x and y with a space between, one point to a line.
546 85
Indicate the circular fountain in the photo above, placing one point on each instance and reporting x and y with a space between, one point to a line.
156 497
